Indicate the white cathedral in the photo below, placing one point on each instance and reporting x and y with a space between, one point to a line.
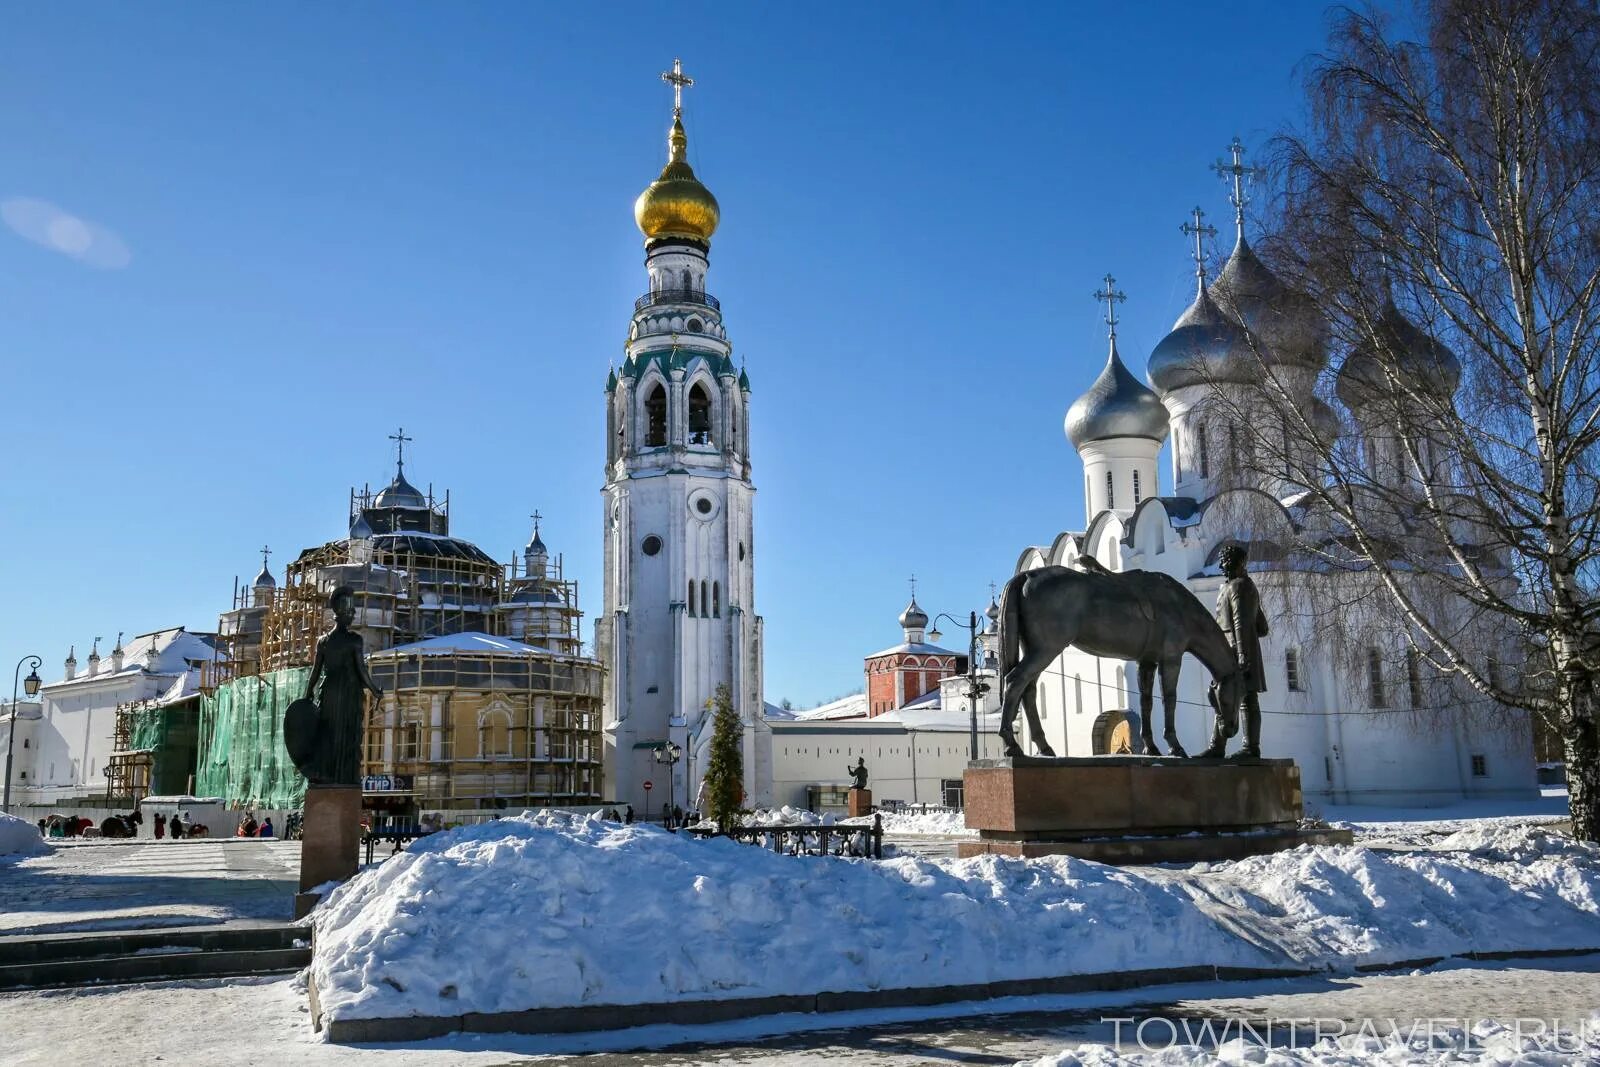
1360 736
679 617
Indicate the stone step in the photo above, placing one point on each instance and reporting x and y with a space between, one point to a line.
153 966
97 944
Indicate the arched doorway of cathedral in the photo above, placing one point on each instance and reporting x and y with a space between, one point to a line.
1114 733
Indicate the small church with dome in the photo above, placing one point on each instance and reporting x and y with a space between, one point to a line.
1360 736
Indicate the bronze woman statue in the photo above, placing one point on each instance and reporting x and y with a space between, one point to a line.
341 665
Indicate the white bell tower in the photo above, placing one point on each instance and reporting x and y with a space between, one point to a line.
679 616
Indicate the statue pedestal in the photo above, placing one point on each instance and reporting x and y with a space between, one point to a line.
1136 809
330 846
860 801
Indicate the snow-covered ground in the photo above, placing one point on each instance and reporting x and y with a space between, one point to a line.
632 914
1413 1044
267 1023
917 823
146 883
19 838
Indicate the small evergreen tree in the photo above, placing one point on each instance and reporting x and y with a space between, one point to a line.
724 781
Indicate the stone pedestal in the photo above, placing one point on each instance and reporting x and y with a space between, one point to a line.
1136 809
860 801
330 846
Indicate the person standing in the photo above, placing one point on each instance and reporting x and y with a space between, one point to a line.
1245 624
266 827
161 826
176 826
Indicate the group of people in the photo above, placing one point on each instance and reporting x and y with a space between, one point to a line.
672 818
64 826
250 828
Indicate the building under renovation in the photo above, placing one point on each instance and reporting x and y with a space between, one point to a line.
488 699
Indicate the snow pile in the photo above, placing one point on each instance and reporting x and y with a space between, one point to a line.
946 823
785 816
1525 1043
555 910
19 838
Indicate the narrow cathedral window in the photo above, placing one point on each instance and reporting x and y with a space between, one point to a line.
1136 487
1111 491
1205 456
1375 677
699 415
655 415
1291 669
705 595
1414 677
691 596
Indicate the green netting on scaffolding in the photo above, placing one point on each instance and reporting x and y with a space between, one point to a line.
149 728
242 758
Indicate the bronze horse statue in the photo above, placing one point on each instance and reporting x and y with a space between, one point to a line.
1144 616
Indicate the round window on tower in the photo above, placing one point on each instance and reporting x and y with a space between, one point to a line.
704 505
651 545
696 326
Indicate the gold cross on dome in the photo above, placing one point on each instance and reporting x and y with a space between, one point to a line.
1112 296
679 82
1199 231
1238 174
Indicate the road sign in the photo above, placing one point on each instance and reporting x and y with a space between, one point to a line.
648 785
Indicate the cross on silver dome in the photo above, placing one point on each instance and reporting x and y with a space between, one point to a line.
399 438
1238 174
1112 297
1199 231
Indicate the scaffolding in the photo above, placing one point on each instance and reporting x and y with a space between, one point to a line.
462 728
467 726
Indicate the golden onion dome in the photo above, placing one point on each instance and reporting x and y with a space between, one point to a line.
676 204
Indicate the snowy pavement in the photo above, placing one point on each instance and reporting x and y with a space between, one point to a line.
264 1021
147 883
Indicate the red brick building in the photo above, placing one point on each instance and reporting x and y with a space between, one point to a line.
896 676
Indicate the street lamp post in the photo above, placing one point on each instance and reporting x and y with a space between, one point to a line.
669 753
975 688
31 687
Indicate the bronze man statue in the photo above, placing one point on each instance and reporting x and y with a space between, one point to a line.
859 772
1245 624
333 756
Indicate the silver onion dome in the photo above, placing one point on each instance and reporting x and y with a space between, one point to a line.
360 530
265 579
1284 322
913 618
1116 405
1398 347
1202 347
400 493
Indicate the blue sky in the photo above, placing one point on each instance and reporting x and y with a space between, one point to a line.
305 225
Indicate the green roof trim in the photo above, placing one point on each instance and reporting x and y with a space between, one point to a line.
677 358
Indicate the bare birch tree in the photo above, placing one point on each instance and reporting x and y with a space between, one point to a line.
1441 213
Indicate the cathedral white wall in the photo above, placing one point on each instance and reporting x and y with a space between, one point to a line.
1111 469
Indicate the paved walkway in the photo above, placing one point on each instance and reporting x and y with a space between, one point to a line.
266 1023
138 884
